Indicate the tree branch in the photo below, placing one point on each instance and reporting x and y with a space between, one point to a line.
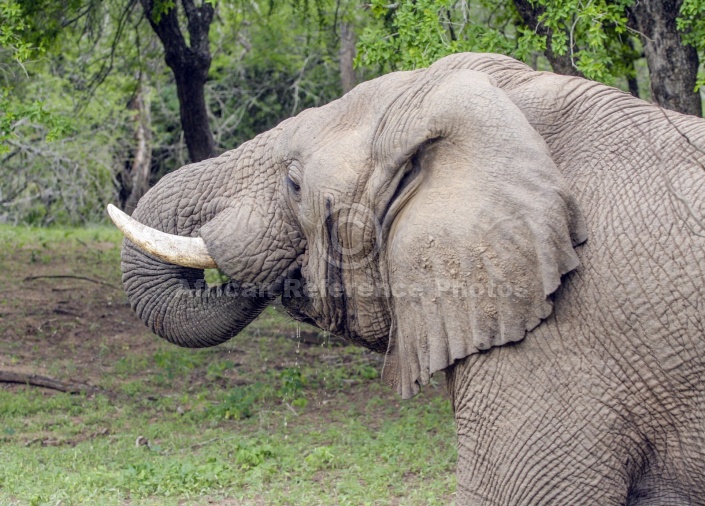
530 14
45 382
67 276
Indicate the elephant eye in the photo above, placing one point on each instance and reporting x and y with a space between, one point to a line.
293 184
293 179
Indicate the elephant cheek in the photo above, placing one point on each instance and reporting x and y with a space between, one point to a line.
372 320
344 295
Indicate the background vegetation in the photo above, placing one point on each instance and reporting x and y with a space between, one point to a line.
100 98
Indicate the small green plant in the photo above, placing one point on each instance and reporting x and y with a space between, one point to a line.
292 383
249 455
239 403
132 388
367 372
176 362
216 369
320 457
130 364
174 478
215 277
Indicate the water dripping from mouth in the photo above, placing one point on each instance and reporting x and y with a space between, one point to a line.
298 343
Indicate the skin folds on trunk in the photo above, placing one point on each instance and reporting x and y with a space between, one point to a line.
174 301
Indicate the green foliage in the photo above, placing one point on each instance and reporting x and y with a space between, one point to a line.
217 370
215 277
175 364
594 34
267 68
15 50
691 23
239 403
12 26
161 7
244 401
172 478
64 142
27 405
321 457
411 34
292 383
367 372
45 21
34 112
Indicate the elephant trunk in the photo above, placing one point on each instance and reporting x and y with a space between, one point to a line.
174 300
176 304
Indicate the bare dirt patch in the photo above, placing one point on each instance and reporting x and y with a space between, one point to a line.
64 326
63 314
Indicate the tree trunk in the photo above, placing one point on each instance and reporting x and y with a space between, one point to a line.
633 85
190 65
135 180
632 81
530 13
194 116
673 67
347 55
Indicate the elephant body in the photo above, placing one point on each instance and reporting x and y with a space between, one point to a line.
540 238
603 402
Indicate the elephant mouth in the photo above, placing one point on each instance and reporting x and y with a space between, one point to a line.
299 303
329 292
295 298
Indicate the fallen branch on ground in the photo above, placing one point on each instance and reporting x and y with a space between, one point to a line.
204 443
67 276
45 382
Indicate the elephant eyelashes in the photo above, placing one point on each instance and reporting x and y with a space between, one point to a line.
293 179
293 184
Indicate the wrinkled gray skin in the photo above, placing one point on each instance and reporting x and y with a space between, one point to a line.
502 205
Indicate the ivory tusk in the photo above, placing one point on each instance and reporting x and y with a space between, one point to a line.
174 249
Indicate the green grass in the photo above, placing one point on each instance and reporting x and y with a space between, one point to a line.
262 419
42 245
352 458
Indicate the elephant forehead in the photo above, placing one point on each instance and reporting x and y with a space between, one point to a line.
339 153
358 112
334 156
330 127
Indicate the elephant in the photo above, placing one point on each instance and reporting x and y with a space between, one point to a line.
539 238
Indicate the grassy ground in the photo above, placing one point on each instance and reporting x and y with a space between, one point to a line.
263 419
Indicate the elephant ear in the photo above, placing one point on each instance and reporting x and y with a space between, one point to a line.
475 251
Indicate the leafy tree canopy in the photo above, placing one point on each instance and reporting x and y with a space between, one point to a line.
595 35
90 111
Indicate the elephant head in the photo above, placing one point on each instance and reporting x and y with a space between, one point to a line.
420 215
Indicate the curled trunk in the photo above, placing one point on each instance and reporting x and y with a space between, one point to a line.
175 301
